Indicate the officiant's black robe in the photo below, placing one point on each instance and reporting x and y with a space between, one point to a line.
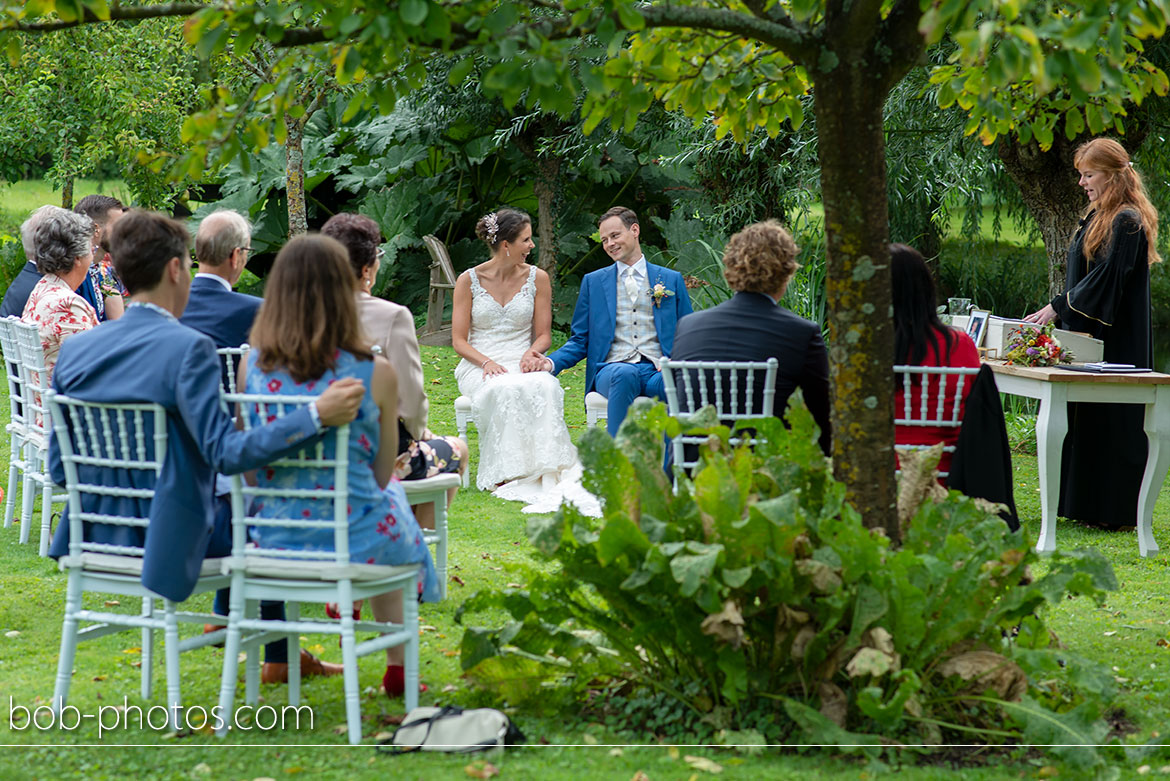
1108 297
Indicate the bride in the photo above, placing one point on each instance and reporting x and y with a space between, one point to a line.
502 308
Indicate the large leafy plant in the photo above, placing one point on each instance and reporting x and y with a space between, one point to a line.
755 585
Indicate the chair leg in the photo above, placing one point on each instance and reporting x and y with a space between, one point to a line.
10 497
27 497
252 661
68 643
147 650
171 654
46 514
292 612
441 546
231 653
353 711
410 625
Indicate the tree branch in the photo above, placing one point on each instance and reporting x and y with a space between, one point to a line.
118 13
798 45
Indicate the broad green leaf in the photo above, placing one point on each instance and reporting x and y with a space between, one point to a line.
621 536
413 12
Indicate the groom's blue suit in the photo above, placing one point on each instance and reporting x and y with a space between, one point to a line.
595 320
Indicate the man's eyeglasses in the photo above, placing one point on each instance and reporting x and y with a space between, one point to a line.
379 253
245 249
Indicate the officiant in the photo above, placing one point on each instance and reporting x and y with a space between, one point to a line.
1108 297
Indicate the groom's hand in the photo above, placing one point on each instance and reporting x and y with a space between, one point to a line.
534 361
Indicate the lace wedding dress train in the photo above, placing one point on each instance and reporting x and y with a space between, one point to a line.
523 441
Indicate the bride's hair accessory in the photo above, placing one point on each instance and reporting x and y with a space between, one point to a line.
491 227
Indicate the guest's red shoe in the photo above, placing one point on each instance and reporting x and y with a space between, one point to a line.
394 681
332 610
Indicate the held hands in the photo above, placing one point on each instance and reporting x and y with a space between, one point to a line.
535 361
340 402
1043 317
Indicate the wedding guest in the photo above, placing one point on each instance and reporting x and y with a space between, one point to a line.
222 245
63 256
390 326
624 322
920 339
146 355
758 264
102 289
307 336
18 292
1108 297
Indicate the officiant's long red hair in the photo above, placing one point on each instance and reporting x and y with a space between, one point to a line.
309 311
1124 190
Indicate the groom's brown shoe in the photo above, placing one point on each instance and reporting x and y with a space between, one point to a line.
277 672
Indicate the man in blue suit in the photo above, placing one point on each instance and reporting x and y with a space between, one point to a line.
21 288
222 244
147 356
624 322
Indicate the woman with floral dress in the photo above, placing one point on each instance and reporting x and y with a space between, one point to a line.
307 335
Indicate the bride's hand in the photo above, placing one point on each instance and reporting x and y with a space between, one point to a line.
491 368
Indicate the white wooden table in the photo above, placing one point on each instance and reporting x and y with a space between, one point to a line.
1055 388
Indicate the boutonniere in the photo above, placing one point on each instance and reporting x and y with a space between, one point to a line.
659 292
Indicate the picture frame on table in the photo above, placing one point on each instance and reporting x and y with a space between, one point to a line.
977 325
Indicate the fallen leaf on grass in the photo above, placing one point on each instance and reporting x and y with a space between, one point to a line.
458 581
592 741
426 628
672 752
450 688
1163 642
615 752
1111 632
202 769
294 769
481 770
1048 771
640 776
514 585
340 729
134 650
450 653
485 555
496 569
436 382
13 634
702 763
99 677
383 735
113 603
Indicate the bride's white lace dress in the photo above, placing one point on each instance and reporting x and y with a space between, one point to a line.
523 441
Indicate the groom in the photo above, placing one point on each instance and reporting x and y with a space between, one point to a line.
624 321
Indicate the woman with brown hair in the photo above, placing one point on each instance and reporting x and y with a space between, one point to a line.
1108 296
307 335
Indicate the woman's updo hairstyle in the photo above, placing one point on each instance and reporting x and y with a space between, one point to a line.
502 225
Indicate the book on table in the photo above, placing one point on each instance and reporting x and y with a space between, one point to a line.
1104 367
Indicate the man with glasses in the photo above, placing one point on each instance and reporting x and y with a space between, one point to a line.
222 244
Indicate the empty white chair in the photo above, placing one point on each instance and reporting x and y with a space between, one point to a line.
935 408
17 428
36 418
231 357
434 489
729 386
596 408
129 443
297 576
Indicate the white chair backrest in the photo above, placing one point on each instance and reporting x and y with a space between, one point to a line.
130 440
13 368
729 386
36 374
231 357
327 460
933 407
931 396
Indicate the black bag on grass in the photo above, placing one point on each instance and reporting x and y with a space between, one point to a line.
452 730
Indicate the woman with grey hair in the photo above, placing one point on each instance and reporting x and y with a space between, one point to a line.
62 251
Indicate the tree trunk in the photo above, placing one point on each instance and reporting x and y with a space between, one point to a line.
67 193
851 147
294 174
546 187
1048 185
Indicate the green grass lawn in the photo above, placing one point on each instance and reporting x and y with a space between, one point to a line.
18 199
487 537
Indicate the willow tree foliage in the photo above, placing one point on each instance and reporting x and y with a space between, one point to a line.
747 64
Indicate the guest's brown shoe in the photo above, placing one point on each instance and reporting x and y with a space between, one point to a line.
277 672
209 628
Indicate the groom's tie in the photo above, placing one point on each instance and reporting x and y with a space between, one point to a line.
631 285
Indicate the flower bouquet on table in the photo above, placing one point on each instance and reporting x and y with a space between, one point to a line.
1036 347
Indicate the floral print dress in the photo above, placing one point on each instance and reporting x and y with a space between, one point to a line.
382 528
58 313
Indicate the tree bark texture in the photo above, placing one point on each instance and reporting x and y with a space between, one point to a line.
67 193
851 147
294 173
1048 185
546 187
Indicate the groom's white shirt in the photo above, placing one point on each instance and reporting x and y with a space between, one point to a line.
634 335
